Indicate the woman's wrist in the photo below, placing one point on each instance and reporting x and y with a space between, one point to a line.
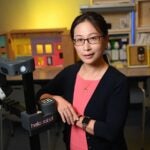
82 122
86 124
78 120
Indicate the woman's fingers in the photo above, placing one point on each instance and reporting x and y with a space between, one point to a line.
74 114
62 116
66 110
68 115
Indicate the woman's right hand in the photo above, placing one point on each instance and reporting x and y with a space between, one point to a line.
66 110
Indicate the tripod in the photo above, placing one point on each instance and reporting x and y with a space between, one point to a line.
1 128
5 90
23 66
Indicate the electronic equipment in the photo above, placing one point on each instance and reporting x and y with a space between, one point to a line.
21 65
43 119
34 120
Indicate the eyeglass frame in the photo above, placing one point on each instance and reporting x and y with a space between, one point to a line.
88 40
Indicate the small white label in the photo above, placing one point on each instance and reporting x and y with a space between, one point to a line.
22 68
2 94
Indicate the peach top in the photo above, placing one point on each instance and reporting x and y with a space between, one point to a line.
82 94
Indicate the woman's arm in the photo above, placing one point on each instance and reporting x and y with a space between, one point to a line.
90 126
64 108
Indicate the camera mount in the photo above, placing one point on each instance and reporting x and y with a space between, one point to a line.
32 120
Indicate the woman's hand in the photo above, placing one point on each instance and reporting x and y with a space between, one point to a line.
65 110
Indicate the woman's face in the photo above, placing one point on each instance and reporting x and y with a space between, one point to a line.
89 53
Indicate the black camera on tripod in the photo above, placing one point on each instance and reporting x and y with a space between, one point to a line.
34 120
43 119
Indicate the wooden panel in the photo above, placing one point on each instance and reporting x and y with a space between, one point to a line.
68 49
49 47
118 20
143 13
136 59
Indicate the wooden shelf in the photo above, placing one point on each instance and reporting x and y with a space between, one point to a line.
107 8
97 2
143 29
119 31
49 47
143 11
22 31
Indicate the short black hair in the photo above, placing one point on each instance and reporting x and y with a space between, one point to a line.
97 20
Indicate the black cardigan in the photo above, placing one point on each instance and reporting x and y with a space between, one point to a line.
108 106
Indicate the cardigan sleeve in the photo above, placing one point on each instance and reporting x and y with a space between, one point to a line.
117 109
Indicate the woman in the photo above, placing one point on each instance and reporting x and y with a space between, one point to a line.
91 96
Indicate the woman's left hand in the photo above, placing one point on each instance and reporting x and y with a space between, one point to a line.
66 110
